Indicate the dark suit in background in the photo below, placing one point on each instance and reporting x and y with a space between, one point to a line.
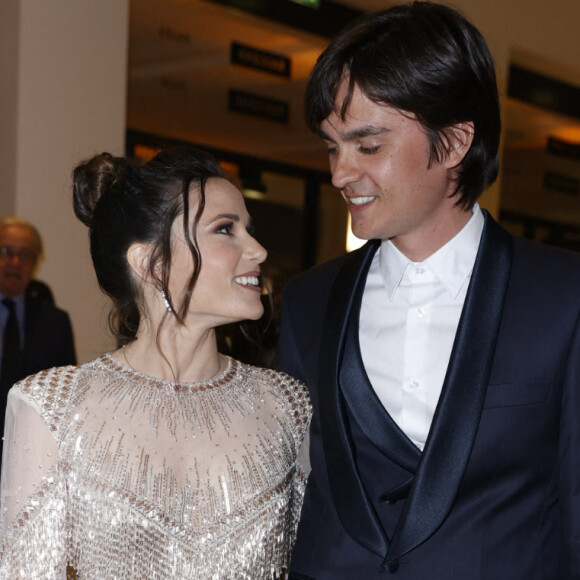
44 337
48 338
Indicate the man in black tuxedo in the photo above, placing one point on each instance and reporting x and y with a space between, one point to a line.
34 334
443 357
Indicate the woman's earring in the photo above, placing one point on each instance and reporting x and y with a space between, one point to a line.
167 305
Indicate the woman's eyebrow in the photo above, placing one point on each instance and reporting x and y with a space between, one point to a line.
231 216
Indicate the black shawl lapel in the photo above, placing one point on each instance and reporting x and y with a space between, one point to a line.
364 404
458 412
352 503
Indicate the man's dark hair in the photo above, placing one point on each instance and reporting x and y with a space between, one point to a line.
425 59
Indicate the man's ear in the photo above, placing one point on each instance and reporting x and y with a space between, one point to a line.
458 139
138 256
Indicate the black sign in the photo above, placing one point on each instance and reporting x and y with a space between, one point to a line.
243 102
561 183
260 60
563 148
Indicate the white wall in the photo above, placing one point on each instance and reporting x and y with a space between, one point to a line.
67 102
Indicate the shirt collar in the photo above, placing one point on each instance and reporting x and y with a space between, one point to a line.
452 264
19 300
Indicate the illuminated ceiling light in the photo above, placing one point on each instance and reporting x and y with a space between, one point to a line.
570 134
309 3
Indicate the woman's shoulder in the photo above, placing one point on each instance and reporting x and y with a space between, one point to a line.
50 390
268 374
291 389
47 380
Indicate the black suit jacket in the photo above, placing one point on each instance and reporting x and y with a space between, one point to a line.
48 342
48 338
495 493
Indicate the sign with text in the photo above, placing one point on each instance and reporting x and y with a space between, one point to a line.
243 102
260 60
562 183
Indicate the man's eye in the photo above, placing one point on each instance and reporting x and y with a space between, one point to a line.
368 150
331 147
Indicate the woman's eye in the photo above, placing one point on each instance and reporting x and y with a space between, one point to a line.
225 229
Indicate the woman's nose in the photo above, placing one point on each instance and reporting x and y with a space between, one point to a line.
257 252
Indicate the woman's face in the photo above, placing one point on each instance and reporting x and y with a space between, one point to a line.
228 288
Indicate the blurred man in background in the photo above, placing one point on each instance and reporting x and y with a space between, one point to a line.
34 334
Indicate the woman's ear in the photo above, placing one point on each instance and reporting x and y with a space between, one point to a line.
458 139
138 256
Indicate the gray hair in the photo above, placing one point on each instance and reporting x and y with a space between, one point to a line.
18 221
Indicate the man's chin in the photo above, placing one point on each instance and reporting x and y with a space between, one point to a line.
11 290
362 234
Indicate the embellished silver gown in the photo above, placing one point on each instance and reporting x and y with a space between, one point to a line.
119 475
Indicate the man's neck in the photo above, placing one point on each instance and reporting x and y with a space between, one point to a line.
419 246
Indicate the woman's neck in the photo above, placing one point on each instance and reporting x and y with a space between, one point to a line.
180 355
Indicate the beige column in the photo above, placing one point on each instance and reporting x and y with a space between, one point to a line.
63 68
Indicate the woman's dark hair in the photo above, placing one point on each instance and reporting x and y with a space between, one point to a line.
425 59
123 203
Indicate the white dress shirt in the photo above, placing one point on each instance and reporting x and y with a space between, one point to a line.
409 316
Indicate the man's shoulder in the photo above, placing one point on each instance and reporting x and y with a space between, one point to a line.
545 258
542 260
37 306
324 270
323 275
47 324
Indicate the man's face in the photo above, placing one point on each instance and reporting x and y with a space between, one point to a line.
18 256
379 159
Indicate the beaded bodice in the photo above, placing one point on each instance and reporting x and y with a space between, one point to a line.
121 475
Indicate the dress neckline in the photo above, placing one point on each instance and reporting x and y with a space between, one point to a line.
224 377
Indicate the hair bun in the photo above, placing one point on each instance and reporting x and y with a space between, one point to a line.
92 179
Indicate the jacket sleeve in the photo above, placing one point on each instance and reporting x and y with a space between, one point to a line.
569 449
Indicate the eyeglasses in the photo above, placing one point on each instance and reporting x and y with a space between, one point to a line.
25 256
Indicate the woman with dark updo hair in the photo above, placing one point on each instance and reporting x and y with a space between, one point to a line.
164 458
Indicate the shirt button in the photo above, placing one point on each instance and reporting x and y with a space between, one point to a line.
414 385
419 270
420 313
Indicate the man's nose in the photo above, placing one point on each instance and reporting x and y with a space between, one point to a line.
15 259
344 171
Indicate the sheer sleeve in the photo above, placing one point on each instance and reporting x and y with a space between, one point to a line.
301 410
303 459
29 453
31 494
